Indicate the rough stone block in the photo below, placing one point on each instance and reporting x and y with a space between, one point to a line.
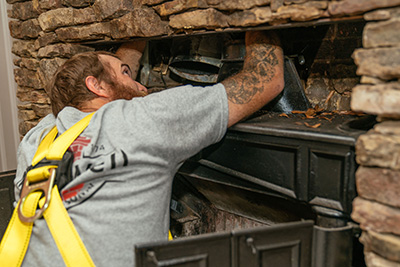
384 33
50 4
252 17
24 48
85 16
29 63
374 260
23 11
25 29
95 31
62 50
41 110
297 13
151 2
378 150
56 18
33 96
236 4
177 6
27 78
77 3
25 126
379 99
141 22
377 217
46 38
49 66
379 184
208 18
371 80
108 9
352 7
385 245
383 63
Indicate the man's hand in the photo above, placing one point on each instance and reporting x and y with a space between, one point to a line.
130 53
261 78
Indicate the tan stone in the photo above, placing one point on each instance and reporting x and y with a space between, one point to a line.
388 127
385 245
50 66
46 39
23 11
252 17
236 4
297 13
383 63
208 18
108 9
95 31
29 63
62 50
25 126
27 78
380 34
352 7
141 22
276 4
26 115
377 217
178 6
56 18
375 149
371 80
379 99
374 260
379 184
77 3
151 2
49 4
25 29
41 110
33 96
85 16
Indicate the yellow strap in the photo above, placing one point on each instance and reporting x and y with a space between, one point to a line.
64 233
16 238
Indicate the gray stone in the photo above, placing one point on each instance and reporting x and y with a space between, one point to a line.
25 29
27 78
177 6
383 63
95 31
56 18
372 215
24 48
379 184
143 22
352 7
252 17
378 150
208 18
23 11
374 260
380 99
62 50
385 245
108 9
384 33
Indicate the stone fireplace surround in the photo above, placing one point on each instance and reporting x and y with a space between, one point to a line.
46 32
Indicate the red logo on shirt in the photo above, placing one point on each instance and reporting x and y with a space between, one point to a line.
72 192
78 145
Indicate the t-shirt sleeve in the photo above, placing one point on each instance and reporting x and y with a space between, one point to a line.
181 121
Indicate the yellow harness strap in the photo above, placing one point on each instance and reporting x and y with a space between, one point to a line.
38 181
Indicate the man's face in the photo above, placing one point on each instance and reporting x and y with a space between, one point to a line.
124 86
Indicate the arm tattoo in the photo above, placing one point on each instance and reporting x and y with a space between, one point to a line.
259 68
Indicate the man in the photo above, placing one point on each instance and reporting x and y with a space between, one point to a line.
125 160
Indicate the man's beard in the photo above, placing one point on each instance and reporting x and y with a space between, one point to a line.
121 91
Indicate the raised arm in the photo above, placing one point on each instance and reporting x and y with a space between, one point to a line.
261 78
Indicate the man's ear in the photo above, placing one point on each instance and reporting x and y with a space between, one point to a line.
94 86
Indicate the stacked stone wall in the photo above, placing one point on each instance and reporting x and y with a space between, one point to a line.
47 32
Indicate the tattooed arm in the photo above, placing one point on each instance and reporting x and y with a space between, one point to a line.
261 78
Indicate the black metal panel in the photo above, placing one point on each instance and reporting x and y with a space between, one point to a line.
199 251
6 199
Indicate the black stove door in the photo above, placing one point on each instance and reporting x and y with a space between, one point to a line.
283 245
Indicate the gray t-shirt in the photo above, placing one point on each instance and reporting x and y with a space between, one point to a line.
125 161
